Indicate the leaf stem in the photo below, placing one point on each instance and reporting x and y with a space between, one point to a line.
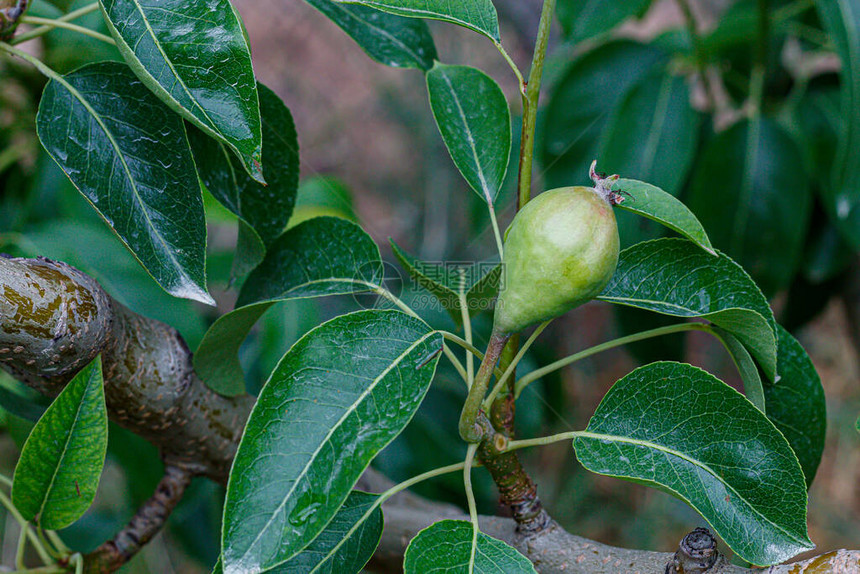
531 97
41 30
385 293
26 530
51 23
447 335
470 430
525 380
514 67
467 327
470 499
416 479
500 383
543 441
36 63
499 244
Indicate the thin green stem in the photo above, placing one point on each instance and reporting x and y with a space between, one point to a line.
543 441
58 542
470 430
467 327
467 346
21 547
69 26
26 530
499 244
386 294
416 479
470 498
502 381
514 67
49 548
6 480
530 104
525 380
41 30
36 63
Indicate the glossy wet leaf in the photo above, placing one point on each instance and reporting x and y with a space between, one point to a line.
340 395
676 277
446 548
265 209
389 39
751 192
841 19
479 282
667 425
346 544
580 108
194 56
753 387
322 256
128 154
477 15
472 114
58 473
796 404
652 202
584 19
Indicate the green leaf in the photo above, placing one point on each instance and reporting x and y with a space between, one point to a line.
323 195
666 425
346 544
477 15
653 133
675 277
479 281
578 113
265 209
128 155
654 203
446 548
340 395
391 40
751 193
194 56
58 473
322 256
796 405
584 19
753 388
475 121
841 19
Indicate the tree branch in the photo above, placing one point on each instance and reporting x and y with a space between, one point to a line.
55 319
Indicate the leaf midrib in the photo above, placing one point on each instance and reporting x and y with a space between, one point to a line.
326 439
169 63
470 139
144 207
68 440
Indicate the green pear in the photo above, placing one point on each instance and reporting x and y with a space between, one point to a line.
560 252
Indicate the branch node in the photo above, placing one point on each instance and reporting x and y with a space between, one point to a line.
696 554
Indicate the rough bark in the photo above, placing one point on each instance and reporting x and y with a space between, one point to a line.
55 319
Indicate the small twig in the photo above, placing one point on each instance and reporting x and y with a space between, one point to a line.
148 522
